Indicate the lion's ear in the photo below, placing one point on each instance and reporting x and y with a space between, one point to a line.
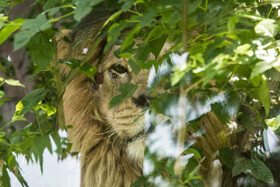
63 47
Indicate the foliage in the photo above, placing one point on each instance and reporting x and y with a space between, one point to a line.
231 66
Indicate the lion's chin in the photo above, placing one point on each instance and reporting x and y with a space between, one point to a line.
136 148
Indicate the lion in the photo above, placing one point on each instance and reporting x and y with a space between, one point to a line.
110 141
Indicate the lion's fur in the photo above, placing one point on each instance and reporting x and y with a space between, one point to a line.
100 134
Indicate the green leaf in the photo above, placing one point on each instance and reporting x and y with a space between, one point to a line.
243 49
17 118
267 27
49 109
147 17
227 156
240 166
134 66
22 38
262 93
194 5
41 56
13 82
29 29
40 23
2 134
49 4
2 94
84 7
11 162
18 2
3 4
88 70
166 104
5 178
126 4
273 123
40 143
263 66
9 29
19 107
126 90
129 39
192 151
231 23
157 44
254 167
259 170
53 11
32 99
113 34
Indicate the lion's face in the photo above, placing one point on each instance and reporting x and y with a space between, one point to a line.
88 100
126 119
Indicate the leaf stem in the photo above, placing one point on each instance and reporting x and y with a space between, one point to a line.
271 8
61 17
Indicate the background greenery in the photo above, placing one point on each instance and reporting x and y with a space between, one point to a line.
224 57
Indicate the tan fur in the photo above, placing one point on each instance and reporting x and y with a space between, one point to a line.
100 134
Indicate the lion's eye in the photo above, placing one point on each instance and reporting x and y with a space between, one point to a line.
119 68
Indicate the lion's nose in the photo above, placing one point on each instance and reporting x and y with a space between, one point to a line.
140 101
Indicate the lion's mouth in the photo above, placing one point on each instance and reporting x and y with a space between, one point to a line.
141 134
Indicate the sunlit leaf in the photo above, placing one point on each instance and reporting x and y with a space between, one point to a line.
32 99
49 109
13 82
17 118
267 27
273 123
9 29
